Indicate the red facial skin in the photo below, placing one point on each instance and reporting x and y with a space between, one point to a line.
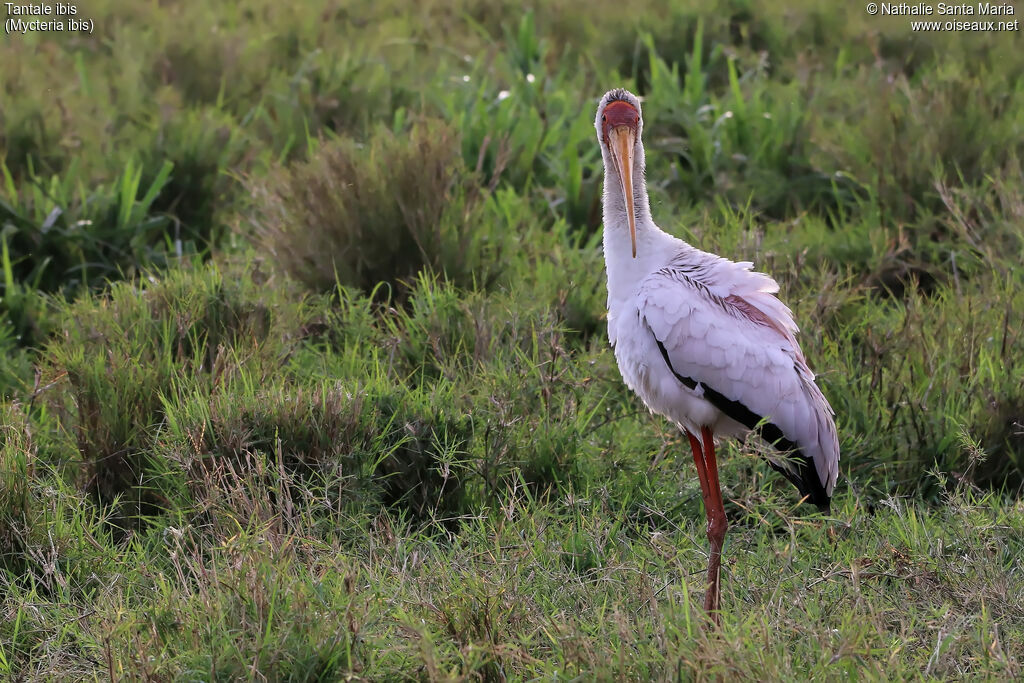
619 113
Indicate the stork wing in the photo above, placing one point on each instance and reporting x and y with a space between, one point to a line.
724 335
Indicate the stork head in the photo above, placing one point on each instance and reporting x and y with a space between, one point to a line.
619 125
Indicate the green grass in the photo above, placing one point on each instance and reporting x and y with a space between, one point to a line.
303 354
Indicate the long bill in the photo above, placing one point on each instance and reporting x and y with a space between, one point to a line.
621 146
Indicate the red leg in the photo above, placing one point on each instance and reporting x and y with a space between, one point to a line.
698 460
717 526
710 494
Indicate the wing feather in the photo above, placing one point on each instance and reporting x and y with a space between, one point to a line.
736 340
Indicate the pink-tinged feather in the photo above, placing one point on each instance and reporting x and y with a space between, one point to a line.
736 336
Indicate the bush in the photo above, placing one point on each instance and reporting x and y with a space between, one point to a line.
365 214
126 353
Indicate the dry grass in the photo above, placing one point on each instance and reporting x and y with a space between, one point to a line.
375 432
360 214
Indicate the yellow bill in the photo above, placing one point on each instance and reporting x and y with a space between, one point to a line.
620 143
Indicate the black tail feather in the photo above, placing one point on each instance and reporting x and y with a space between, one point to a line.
805 478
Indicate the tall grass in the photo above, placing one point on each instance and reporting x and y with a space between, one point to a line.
361 216
304 365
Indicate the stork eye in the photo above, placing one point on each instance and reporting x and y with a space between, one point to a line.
604 118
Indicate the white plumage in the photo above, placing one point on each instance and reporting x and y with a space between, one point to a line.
703 340
689 304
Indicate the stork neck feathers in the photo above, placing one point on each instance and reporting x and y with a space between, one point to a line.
654 248
615 204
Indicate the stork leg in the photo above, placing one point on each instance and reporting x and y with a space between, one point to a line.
707 472
717 526
698 460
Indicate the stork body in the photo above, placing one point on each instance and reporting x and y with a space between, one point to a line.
703 340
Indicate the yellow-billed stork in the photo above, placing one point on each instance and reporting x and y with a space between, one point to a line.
703 340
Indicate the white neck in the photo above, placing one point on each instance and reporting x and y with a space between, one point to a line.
614 205
654 248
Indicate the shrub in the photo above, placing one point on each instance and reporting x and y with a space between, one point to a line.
364 214
127 352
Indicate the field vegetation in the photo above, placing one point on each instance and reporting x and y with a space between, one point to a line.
303 360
